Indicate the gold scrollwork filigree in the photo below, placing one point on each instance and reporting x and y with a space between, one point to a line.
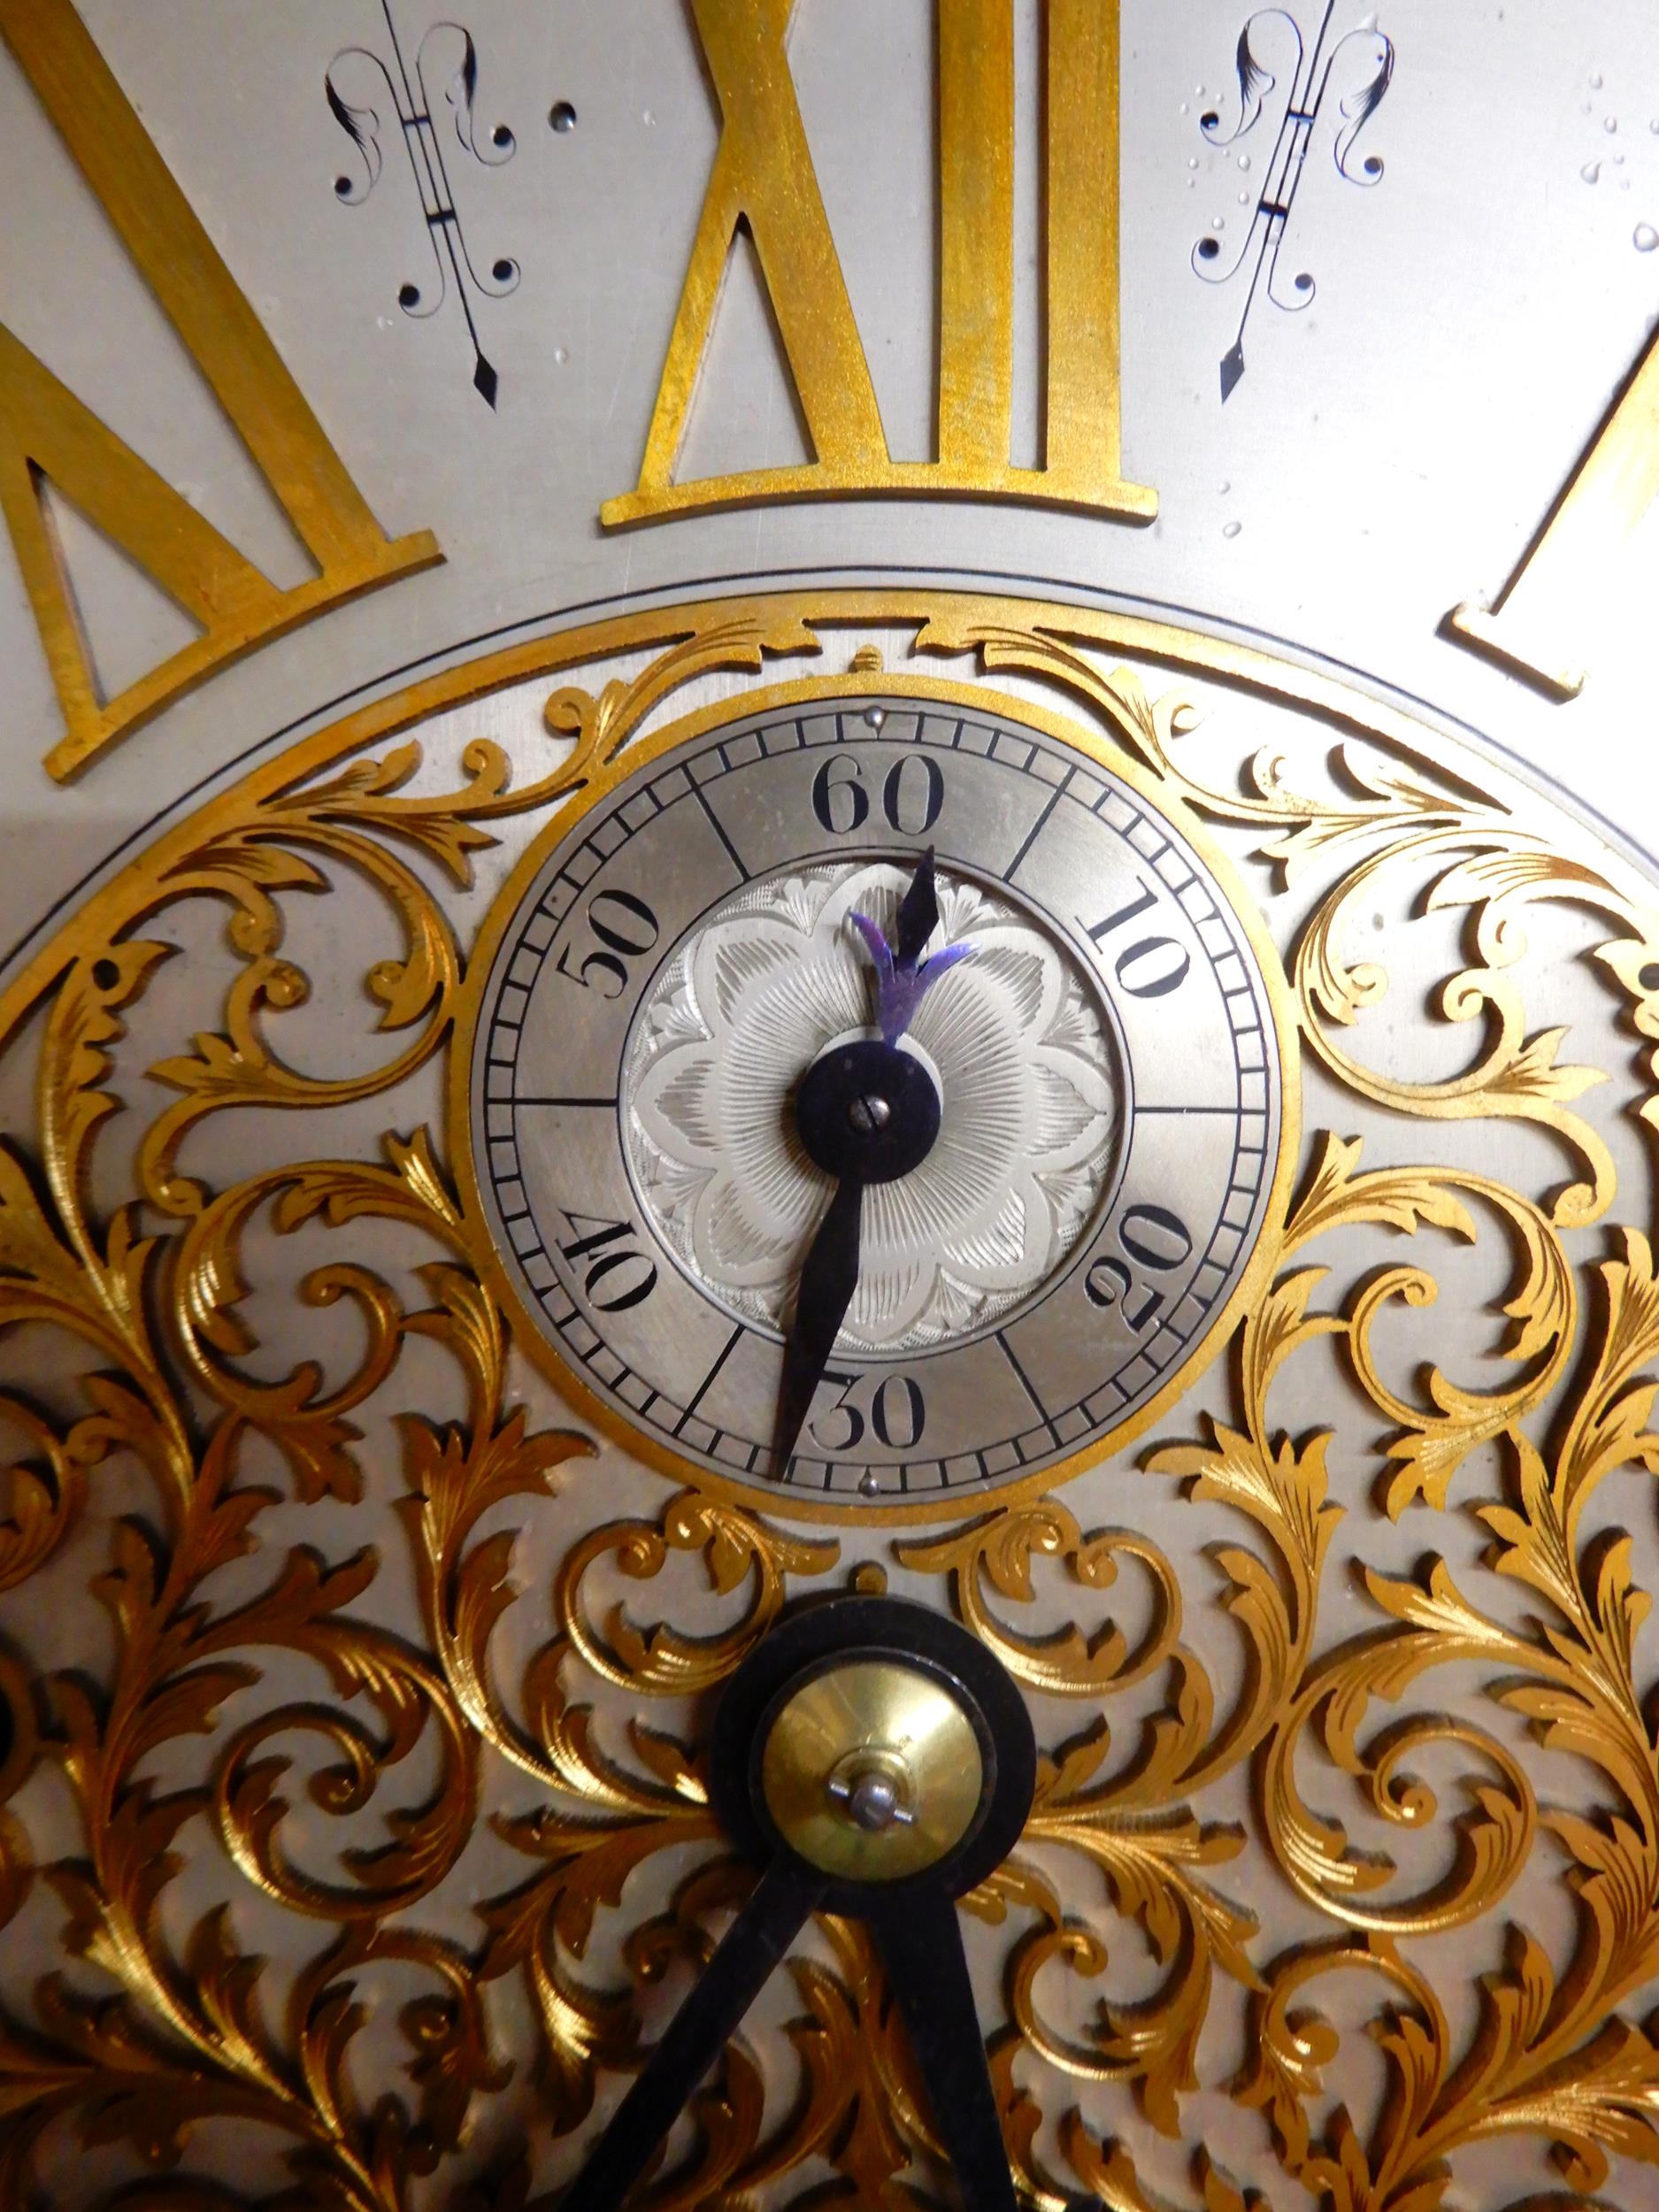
321 1692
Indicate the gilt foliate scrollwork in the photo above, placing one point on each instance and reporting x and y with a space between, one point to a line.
355 1818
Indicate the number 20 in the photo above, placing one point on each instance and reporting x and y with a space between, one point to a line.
1156 1240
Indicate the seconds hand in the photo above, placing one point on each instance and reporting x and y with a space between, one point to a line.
867 1113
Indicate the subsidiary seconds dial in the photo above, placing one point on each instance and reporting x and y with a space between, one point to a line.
667 994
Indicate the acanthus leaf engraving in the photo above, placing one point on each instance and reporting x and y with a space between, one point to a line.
396 1667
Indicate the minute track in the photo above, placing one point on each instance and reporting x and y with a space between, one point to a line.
606 1017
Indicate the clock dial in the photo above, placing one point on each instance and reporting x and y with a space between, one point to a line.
665 972
829 976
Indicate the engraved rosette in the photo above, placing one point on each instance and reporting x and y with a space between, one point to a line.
1027 1076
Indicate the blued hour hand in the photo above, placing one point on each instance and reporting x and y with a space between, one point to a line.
694 2039
927 1970
828 1279
902 974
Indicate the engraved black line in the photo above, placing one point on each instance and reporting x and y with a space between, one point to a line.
1026 1385
539 1099
1036 829
718 827
724 1353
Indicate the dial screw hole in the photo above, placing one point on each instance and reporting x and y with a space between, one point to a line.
562 116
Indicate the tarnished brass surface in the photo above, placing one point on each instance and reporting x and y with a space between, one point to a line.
882 1715
354 1839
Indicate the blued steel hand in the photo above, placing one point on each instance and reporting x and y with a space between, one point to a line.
829 1276
902 974
867 1114
913 1920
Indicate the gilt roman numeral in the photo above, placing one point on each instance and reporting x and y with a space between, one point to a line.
47 433
1544 621
762 177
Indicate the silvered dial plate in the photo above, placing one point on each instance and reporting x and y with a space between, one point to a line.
1108 1063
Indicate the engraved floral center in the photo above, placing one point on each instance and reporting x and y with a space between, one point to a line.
1014 1041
